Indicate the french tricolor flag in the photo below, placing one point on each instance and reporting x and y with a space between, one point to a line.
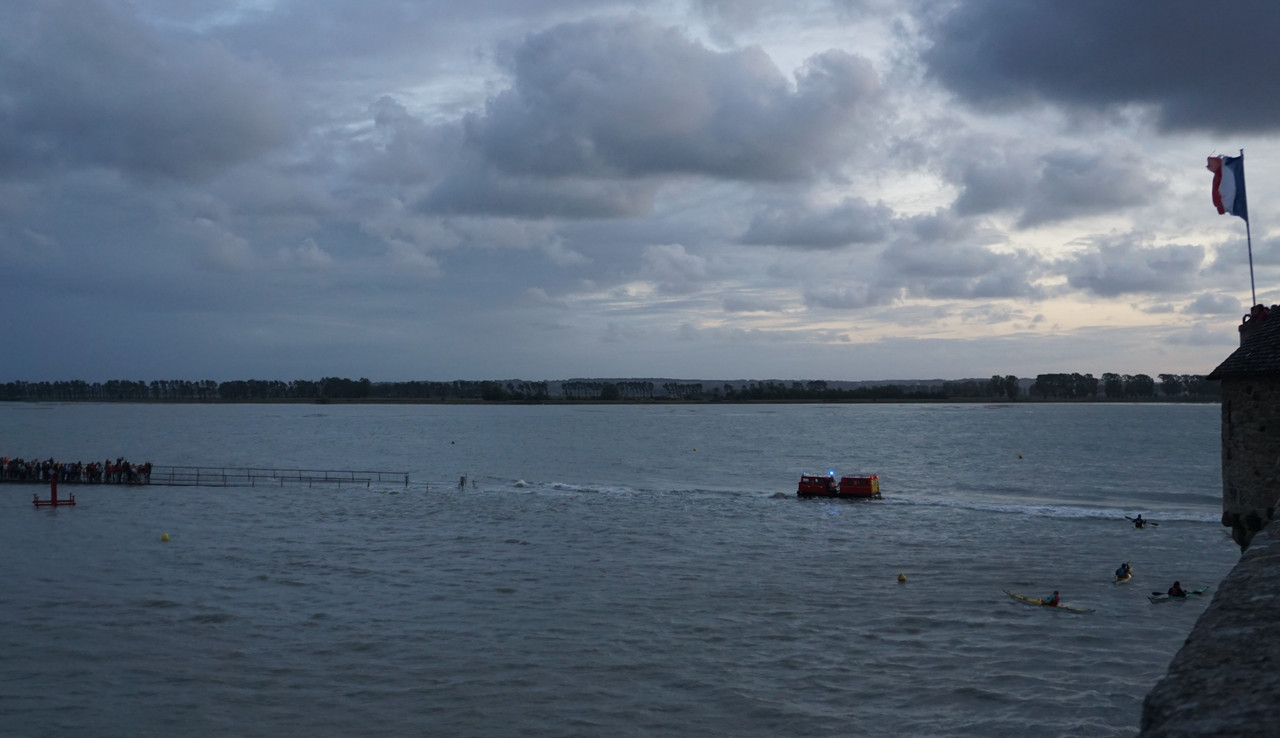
1228 185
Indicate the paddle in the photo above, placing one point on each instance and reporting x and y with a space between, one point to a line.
1145 522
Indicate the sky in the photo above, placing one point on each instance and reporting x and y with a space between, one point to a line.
554 189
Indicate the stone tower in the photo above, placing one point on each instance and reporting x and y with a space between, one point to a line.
1250 379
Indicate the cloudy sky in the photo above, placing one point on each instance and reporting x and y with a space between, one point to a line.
548 189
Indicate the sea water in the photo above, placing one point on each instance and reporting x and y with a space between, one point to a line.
606 570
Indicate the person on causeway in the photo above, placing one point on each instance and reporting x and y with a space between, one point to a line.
1177 591
1052 600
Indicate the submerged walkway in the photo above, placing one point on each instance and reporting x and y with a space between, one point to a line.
210 476
205 476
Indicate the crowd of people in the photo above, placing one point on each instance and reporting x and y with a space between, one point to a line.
120 471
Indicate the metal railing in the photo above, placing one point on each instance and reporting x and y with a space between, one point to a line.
213 476
208 476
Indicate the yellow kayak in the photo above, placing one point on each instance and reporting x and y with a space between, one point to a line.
1038 601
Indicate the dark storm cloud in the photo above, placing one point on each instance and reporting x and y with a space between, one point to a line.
1119 267
630 98
1048 188
84 84
1198 65
854 221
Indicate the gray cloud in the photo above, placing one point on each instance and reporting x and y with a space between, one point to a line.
936 257
1072 185
1118 267
1194 64
674 269
478 190
287 189
965 272
853 296
85 84
630 98
991 178
404 149
853 221
750 303
432 167
940 256
336 47
1047 188
1211 303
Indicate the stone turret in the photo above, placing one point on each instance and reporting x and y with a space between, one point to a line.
1250 379
1225 679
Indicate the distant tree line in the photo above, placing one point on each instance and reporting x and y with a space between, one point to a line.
594 390
258 389
1074 386
1124 387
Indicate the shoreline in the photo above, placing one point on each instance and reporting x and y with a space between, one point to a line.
647 401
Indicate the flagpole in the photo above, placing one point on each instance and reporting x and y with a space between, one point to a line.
1249 240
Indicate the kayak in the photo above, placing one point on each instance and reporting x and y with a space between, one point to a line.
1162 597
1040 602
1126 577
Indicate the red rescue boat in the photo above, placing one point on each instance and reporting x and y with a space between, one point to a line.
817 485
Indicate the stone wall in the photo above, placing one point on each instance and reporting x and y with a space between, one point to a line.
1250 455
1225 680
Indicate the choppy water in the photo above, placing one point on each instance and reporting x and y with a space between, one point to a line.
636 570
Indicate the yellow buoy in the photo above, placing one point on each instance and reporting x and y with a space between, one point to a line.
164 536
902 578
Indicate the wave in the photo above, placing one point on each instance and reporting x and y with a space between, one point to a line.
1036 509
1059 510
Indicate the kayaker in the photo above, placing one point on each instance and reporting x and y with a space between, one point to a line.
1138 522
1123 571
1052 600
1177 591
